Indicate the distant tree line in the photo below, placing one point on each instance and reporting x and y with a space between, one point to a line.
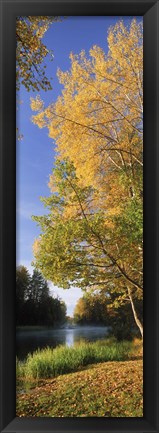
91 309
99 309
34 305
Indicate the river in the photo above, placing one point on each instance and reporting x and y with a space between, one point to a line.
27 341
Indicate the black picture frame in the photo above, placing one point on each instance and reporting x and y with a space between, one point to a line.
149 9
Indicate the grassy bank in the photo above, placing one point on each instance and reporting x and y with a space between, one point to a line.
49 363
111 389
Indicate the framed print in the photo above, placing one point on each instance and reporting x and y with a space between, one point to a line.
79 216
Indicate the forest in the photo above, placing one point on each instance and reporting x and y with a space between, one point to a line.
34 304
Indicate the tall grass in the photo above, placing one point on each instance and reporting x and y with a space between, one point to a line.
50 362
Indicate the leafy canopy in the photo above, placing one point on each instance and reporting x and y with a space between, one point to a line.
92 236
31 51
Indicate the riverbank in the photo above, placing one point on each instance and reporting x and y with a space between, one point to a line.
30 339
49 363
109 389
112 388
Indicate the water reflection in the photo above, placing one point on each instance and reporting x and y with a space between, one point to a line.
29 341
69 338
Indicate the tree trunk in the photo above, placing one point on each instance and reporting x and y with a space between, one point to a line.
138 323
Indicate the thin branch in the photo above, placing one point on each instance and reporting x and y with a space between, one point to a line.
84 126
113 260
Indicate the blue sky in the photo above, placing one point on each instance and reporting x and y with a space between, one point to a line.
35 153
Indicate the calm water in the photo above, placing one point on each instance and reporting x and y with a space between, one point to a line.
29 341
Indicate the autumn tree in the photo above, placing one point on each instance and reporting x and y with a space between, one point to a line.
93 233
31 52
120 318
91 309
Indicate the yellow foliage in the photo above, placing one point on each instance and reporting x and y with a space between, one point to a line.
97 124
36 103
36 246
